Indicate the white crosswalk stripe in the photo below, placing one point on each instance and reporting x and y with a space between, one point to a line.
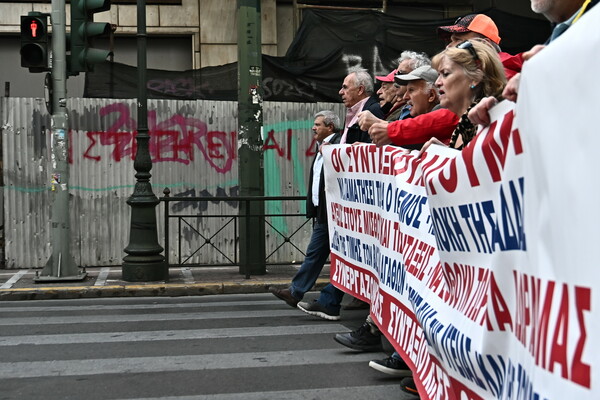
35 369
109 337
98 319
13 279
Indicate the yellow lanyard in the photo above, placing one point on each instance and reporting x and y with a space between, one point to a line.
581 11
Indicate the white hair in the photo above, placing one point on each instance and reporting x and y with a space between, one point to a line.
417 59
363 78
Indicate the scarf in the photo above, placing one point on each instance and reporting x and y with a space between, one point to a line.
465 129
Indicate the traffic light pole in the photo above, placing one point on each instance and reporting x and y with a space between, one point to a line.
61 265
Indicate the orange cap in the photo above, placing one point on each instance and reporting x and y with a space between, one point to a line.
478 23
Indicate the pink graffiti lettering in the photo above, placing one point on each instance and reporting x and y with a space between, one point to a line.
173 140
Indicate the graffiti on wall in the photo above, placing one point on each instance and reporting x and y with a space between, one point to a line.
175 139
178 139
202 206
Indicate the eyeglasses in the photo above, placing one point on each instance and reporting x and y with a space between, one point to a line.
466 45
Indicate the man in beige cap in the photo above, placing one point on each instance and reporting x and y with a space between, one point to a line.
421 93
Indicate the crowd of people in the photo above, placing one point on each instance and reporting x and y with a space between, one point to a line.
422 102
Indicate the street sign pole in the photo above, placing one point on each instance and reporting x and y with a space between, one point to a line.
250 141
61 265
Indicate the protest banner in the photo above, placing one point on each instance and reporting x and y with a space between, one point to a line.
478 265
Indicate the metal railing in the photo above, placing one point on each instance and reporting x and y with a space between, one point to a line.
230 220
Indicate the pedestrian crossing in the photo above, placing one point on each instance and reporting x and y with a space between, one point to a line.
210 347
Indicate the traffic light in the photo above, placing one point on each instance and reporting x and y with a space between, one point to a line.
34 42
83 29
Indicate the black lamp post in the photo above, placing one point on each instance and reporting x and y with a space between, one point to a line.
144 261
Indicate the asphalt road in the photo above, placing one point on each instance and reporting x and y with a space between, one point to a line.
208 347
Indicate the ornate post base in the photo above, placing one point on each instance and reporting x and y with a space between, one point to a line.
143 262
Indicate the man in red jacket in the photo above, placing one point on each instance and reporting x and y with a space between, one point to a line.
410 132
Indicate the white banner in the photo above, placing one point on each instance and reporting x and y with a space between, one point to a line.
479 265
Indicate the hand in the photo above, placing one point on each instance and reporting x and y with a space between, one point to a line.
366 119
379 134
534 50
512 88
429 143
480 114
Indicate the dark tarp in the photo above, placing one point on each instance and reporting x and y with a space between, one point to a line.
326 45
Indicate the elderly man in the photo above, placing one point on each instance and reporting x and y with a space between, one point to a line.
408 61
356 92
423 97
326 129
421 93
387 93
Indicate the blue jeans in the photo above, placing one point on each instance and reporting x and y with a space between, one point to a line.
316 256
331 298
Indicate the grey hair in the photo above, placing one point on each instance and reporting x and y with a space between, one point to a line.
330 118
417 59
363 78
431 85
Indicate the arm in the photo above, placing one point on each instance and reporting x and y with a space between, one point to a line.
366 119
440 124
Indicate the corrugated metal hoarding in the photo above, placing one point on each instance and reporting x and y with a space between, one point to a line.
194 151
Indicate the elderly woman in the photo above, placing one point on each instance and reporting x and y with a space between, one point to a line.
467 73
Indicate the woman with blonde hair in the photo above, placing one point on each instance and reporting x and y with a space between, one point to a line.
467 73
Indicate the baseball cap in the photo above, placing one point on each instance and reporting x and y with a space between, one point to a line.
425 72
478 23
388 78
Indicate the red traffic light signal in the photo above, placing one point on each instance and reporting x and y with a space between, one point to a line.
33 28
34 42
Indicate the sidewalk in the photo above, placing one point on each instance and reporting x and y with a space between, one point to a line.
18 284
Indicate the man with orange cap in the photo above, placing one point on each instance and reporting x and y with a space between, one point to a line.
480 26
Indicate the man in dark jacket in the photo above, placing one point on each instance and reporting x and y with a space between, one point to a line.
326 129
357 95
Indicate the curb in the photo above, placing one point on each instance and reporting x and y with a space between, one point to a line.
163 289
